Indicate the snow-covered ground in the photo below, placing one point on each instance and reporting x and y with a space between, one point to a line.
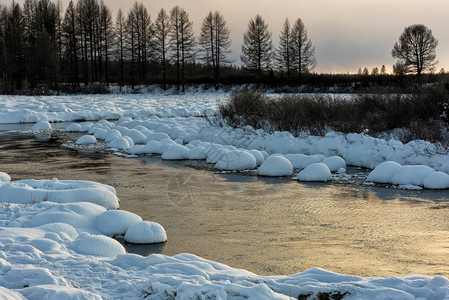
64 250
23 109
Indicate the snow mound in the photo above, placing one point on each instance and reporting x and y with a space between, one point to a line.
334 163
4 177
296 160
437 180
176 152
61 191
6 294
86 140
153 147
258 156
62 229
137 136
314 172
236 160
146 233
57 292
157 136
276 165
74 127
119 143
414 175
97 245
41 126
116 222
197 153
384 172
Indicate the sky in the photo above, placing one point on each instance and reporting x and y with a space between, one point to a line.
347 34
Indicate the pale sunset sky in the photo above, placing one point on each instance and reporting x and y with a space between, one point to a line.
347 34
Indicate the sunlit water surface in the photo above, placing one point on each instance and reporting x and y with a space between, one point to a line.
268 226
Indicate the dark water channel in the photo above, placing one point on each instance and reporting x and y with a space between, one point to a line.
268 226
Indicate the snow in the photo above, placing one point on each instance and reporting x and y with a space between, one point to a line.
97 245
146 233
23 109
86 140
61 191
314 172
414 175
384 172
236 160
57 292
436 180
176 152
119 143
116 222
276 166
41 126
409 177
334 163
4 177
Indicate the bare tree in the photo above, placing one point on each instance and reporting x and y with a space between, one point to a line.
70 42
360 72
106 29
283 55
303 52
375 71
365 71
383 70
182 42
416 49
215 41
161 42
119 29
257 48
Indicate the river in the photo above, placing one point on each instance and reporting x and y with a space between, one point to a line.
267 226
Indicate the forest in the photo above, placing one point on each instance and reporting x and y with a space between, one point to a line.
84 49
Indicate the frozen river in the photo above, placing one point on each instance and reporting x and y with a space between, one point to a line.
267 226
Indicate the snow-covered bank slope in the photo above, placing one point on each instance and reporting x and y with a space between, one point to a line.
22 109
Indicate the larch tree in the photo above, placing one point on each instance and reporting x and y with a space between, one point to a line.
119 34
70 42
303 51
257 48
214 42
283 55
107 36
383 70
182 42
416 49
161 42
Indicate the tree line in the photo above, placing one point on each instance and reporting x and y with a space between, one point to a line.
40 44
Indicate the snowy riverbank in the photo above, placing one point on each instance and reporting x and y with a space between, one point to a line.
53 250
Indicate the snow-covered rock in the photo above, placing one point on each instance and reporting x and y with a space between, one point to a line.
61 191
197 153
120 143
86 140
137 136
314 172
74 127
116 222
276 166
334 163
176 152
414 175
258 156
436 180
4 177
41 126
153 147
236 160
146 233
53 291
384 172
98 245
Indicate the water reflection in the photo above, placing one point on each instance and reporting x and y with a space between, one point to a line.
141 249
